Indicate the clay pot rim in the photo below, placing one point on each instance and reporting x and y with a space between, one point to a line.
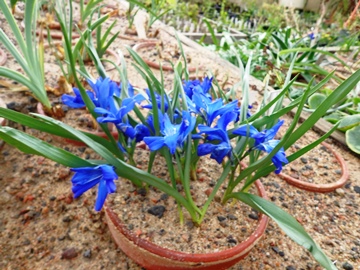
245 245
321 188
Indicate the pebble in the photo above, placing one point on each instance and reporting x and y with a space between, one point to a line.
290 267
304 160
347 185
66 219
231 217
254 216
357 189
157 210
275 249
69 254
221 218
347 266
14 106
340 191
164 197
87 253
4 198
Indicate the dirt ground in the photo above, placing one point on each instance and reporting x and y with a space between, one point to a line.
43 227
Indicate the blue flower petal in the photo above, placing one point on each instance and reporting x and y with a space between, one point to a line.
87 177
101 195
154 143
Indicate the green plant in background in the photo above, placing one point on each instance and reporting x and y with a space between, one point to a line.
30 55
86 10
156 8
77 51
345 114
130 14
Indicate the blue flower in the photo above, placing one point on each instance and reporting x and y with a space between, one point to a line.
116 115
221 146
209 109
76 101
141 131
104 90
158 100
203 87
264 142
87 177
279 158
174 134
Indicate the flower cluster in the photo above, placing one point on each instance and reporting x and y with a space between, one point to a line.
201 117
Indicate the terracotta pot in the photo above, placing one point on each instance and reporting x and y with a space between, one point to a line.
321 188
153 257
152 64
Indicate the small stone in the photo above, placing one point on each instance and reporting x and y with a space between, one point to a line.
347 266
347 185
14 106
66 219
340 191
304 160
26 242
61 238
69 254
231 217
208 191
357 189
290 267
189 224
275 249
221 218
308 167
141 192
157 210
164 197
231 240
276 185
87 253
338 172
254 216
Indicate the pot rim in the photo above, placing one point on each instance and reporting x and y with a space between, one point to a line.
245 245
321 188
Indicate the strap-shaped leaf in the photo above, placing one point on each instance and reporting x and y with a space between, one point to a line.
31 145
287 223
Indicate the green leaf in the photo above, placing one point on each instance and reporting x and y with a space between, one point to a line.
50 128
337 95
353 139
334 117
31 145
349 122
287 223
315 100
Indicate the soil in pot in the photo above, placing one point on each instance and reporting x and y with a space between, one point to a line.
152 216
